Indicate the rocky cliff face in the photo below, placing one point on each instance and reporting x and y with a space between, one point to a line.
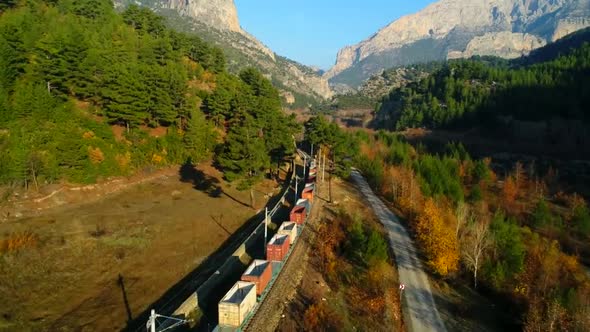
504 44
219 14
461 28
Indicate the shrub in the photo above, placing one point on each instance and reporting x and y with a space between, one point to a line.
18 241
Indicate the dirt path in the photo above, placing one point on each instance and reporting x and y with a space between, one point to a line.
421 313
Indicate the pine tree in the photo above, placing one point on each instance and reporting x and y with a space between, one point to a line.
60 54
199 138
126 96
244 158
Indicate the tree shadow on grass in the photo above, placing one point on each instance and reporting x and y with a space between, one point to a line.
188 173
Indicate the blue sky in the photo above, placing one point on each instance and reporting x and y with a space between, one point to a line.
312 31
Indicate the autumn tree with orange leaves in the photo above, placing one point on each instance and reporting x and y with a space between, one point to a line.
437 238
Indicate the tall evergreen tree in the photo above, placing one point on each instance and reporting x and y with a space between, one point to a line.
126 96
244 158
199 138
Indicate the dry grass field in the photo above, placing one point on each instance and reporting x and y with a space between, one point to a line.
95 266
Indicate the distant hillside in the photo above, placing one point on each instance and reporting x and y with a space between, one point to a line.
216 21
451 29
562 46
472 93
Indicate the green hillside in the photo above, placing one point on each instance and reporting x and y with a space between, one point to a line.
466 93
87 93
242 52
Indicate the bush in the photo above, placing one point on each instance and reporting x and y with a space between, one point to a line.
542 215
581 220
320 317
18 241
476 194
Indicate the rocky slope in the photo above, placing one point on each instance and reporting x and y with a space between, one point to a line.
219 14
217 21
461 28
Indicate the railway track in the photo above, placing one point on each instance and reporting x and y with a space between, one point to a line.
175 296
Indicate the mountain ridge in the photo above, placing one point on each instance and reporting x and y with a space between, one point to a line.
460 28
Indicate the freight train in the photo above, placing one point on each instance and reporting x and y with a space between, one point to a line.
239 305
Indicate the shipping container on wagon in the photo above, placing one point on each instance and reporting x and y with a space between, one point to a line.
310 185
305 203
260 273
310 179
289 228
307 194
235 306
298 215
277 248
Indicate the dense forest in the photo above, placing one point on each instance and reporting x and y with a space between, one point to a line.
86 93
471 92
515 238
518 239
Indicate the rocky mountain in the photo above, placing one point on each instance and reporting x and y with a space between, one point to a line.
461 28
217 21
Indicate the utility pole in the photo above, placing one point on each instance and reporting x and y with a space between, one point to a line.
304 164
324 168
152 321
265 227
295 201
331 172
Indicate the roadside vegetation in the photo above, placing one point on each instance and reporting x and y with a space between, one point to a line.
353 258
510 238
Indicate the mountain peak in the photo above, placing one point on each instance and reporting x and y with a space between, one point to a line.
219 14
461 28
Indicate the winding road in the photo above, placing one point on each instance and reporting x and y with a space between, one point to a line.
420 311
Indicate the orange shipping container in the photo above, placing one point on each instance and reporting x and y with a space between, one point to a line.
307 194
260 273
277 248
297 215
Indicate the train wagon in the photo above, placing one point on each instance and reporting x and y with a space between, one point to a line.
260 273
298 215
307 194
277 248
305 203
312 172
235 306
289 228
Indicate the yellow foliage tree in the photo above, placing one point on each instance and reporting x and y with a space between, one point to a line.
95 154
437 238
510 190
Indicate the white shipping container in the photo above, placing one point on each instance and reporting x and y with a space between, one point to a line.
237 304
289 228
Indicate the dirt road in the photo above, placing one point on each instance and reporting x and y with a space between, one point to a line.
420 312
